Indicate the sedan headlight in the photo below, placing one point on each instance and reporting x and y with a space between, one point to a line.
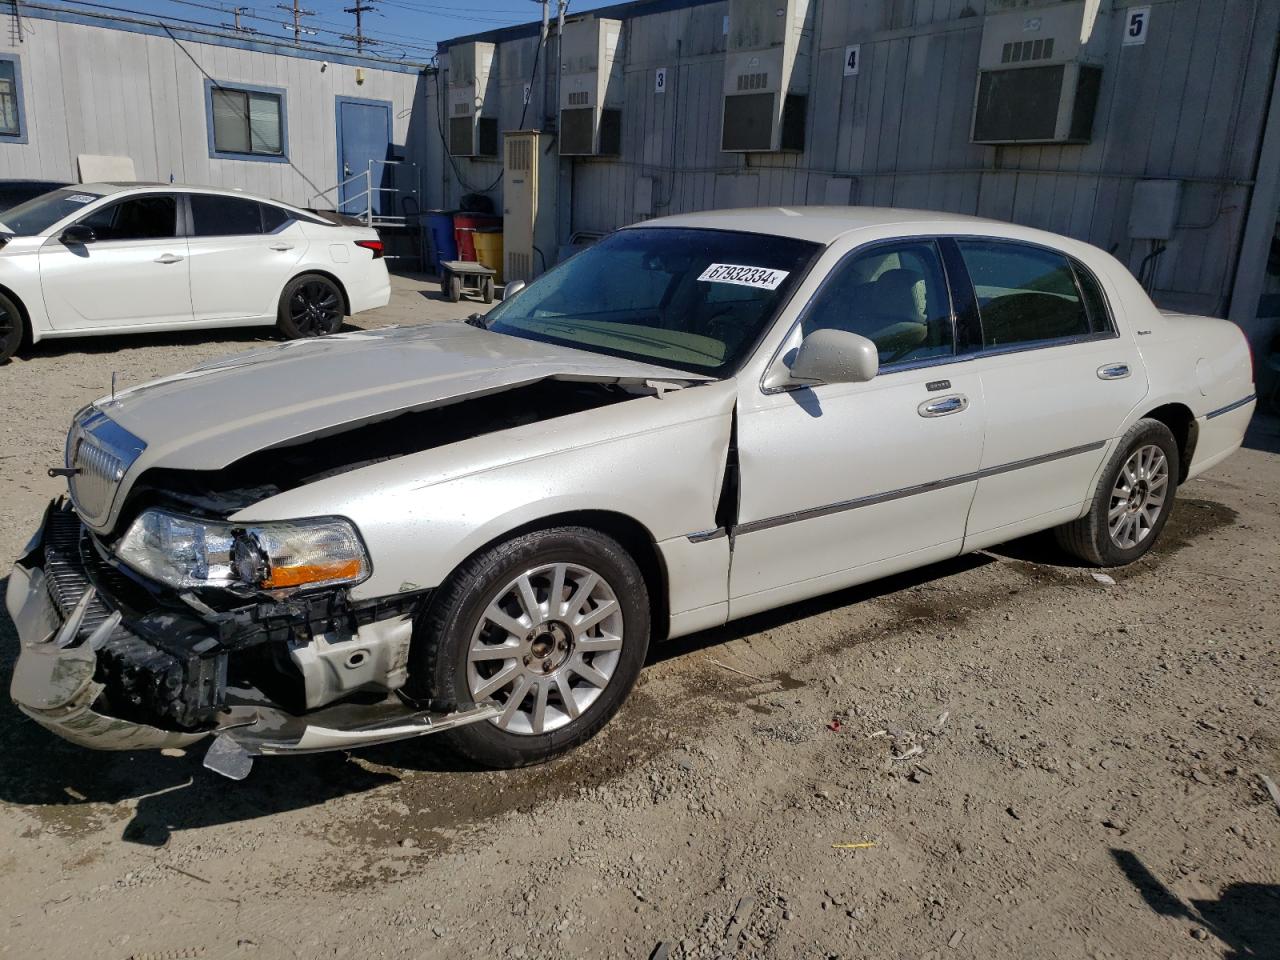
190 552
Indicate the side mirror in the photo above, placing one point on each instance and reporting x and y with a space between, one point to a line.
77 234
512 288
835 356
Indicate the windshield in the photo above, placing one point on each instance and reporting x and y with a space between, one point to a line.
696 300
34 217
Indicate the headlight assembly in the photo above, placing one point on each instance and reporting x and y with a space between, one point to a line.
190 552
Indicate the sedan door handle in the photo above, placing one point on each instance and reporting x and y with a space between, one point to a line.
168 258
1113 371
281 246
943 406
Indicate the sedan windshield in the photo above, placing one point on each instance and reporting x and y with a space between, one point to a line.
696 300
34 217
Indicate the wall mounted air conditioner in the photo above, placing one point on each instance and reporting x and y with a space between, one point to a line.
528 204
471 82
1039 73
590 88
766 75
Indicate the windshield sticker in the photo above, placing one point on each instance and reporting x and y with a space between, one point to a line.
81 198
760 277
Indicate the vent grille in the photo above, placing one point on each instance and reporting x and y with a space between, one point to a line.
1020 51
579 99
461 136
519 155
577 132
519 266
748 122
462 109
753 81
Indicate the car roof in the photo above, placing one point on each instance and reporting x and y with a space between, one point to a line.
819 224
110 189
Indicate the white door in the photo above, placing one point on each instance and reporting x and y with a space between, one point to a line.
1058 383
841 483
242 254
133 272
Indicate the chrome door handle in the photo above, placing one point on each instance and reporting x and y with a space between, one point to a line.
168 258
943 406
281 246
1113 371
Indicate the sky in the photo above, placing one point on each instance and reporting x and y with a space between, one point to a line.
407 29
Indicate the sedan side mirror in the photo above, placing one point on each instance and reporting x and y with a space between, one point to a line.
78 234
835 356
512 288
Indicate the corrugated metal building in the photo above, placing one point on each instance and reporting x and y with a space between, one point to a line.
1187 93
200 107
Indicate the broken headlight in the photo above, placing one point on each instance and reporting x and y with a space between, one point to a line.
191 552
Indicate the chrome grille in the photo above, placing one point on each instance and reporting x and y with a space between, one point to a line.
94 486
100 452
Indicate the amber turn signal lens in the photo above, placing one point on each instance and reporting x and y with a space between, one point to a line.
312 573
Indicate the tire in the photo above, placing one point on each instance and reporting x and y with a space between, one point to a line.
486 290
454 287
1146 463
13 328
311 305
594 667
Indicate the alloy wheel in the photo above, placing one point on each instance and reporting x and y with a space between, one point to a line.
545 647
315 309
1138 496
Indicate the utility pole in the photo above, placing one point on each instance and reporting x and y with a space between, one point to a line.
298 13
237 27
360 40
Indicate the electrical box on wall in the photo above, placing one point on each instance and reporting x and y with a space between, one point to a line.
766 75
1039 73
471 81
591 88
528 204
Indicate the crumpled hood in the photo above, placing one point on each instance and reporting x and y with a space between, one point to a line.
215 414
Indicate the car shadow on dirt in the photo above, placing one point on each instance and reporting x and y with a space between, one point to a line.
71 790
1245 916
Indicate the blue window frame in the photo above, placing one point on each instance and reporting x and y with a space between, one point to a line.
246 122
13 117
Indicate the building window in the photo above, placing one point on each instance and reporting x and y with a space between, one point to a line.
246 123
13 127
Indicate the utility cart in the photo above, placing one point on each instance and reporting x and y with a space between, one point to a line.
464 276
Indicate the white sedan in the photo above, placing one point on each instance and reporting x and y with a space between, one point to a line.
121 258
481 527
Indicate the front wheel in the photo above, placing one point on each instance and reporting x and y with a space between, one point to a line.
1132 501
11 328
552 625
310 306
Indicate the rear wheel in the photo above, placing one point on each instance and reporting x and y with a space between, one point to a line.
453 287
1132 501
553 626
310 306
486 290
12 328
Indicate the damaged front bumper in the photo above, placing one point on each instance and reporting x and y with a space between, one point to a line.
98 672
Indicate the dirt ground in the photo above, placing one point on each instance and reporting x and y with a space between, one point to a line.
997 756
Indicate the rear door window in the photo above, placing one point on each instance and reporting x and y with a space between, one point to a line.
1026 295
217 216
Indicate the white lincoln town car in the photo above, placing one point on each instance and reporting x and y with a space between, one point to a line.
478 528
99 258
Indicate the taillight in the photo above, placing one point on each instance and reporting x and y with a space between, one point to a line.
372 245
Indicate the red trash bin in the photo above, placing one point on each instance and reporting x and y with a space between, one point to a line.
465 226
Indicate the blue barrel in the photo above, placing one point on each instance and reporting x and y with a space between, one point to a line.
441 244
